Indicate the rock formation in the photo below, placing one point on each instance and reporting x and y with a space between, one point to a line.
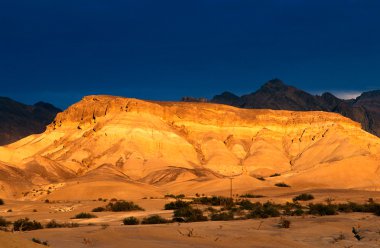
186 146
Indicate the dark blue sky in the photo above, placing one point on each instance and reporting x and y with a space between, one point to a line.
59 51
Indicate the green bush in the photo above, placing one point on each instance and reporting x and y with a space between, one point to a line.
322 209
154 219
303 197
26 225
222 216
176 205
131 221
189 214
98 209
281 185
84 216
121 206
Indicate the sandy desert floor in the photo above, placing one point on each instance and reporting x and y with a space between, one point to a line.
107 230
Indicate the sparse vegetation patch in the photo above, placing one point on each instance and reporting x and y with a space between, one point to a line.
176 205
26 225
251 196
154 219
123 206
84 215
303 197
281 185
131 221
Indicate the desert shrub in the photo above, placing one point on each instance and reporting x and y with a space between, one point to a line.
176 205
322 209
215 201
26 225
121 206
211 209
293 209
251 196
281 185
3 222
154 219
190 214
180 196
265 210
351 207
376 209
222 216
131 221
98 209
84 216
275 175
246 205
53 224
1 201
40 242
284 223
260 178
303 197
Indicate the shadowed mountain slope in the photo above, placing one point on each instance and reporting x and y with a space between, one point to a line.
18 120
276 95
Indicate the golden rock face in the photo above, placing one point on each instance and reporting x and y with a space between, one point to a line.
164 143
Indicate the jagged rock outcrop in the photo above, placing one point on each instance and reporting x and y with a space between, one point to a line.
276 95
18 120
176 144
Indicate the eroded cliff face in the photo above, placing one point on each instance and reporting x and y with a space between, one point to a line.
106 137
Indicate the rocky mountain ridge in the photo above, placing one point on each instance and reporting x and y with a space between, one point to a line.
276 95
18 120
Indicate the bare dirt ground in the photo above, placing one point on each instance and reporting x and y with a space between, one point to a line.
108 231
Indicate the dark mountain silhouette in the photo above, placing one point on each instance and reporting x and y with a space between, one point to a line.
279 96
18 120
